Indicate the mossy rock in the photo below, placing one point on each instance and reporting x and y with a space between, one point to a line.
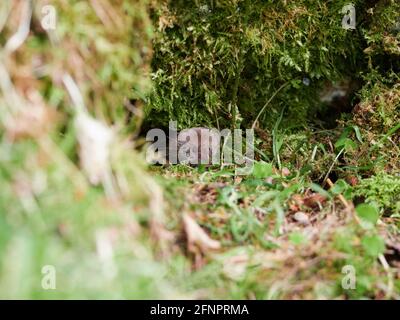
219 62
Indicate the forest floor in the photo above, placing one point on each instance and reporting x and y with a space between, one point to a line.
83 216
276 234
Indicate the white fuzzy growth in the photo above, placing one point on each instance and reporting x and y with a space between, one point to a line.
94 140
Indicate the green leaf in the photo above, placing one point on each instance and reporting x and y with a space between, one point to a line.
296 84
348 194
369 215
317 188
340 187
262 170
358 133
373 245
345 143
297 238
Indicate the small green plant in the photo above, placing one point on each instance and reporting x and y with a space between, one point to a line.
382 190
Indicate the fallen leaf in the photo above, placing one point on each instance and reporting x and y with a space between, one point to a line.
235 267
285 172
197 237
301 218
94 139
314 200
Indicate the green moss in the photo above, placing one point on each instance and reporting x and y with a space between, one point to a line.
218 62
383 190
49 212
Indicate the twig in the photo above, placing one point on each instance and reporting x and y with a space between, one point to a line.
23 30
349 207
74 93
389 273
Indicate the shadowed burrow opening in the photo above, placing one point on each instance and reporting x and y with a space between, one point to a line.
337 99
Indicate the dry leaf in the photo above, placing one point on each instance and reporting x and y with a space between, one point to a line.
94 140
301 218
314 200
285 172
32 121
197 237
235 267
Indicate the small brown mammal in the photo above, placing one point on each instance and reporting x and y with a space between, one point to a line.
197 145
